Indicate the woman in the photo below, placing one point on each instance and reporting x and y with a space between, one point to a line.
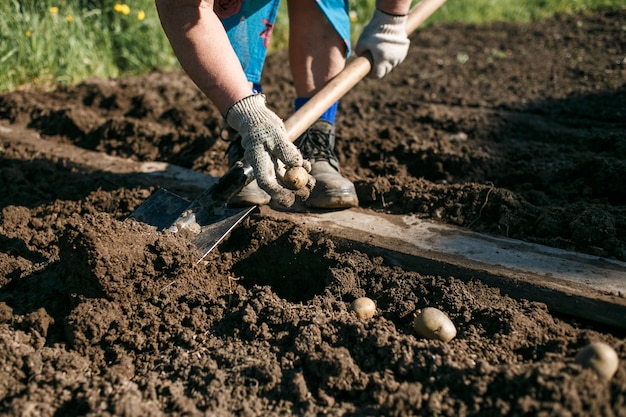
222 46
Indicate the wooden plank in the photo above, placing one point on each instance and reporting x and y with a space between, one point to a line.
144 173
572 283
580 285
413 236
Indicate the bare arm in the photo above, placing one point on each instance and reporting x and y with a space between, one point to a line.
396 7
199 41
204 51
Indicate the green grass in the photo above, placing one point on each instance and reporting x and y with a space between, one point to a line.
44 43
483 11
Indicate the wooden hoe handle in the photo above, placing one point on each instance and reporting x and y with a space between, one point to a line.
350 76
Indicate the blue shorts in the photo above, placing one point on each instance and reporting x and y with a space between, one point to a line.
249 25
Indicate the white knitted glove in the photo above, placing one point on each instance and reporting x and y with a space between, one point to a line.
265 142
386 40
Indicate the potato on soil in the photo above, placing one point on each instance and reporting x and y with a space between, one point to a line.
600 357
364 307
432 323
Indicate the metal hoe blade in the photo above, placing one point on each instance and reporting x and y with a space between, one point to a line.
161 210
164 210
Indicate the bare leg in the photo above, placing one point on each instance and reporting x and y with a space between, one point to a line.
316 54
316 51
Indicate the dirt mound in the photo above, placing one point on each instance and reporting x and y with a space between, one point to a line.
514 130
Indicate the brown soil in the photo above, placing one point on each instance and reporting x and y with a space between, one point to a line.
514 130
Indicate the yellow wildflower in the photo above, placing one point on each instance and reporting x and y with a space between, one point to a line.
54 11
353 16
69 18
141 15
28 34
122 8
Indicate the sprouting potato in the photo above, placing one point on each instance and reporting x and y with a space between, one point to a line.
600 357
295 178
364 307
432 323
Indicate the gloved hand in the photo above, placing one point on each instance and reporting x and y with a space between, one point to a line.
265 142
386 40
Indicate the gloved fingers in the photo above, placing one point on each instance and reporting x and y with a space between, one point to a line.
385 39
386 56
265 173
287 152
290 155
283 196
304 192
379 71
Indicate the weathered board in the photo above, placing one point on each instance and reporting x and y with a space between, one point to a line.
567 282
580 285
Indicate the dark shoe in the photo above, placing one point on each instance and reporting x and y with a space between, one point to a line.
331 191
251 194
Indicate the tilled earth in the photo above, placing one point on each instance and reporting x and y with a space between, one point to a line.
513 130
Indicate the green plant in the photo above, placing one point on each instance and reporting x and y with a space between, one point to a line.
48 42
43 44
